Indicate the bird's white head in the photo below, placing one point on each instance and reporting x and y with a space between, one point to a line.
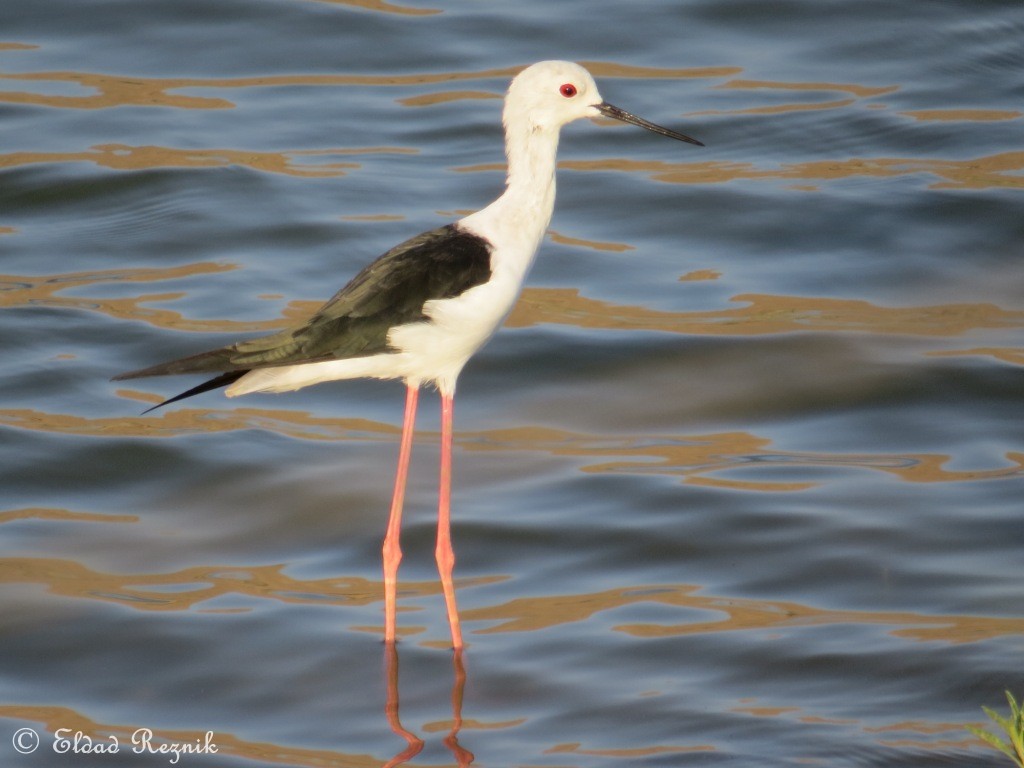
547 95
550 94
541 99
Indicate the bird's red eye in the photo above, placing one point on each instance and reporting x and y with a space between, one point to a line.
568 90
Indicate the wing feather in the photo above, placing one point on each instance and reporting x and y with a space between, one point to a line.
355 322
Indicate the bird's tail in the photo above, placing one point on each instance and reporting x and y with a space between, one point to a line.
215 361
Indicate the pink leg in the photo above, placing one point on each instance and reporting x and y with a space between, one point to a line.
392 550
443 552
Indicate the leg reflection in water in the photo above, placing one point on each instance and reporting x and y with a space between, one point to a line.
414 743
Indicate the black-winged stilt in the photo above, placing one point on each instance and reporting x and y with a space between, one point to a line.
421 310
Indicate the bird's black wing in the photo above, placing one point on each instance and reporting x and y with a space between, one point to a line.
390 291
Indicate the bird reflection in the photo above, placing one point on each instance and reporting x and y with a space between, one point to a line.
415 744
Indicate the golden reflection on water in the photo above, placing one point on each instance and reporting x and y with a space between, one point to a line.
729 614
856 92
65 515
189 588
146 591
964 115
761 314
927 733
779 109
123 158
102 91
860 91
694 457
43 290
108 91
705 460
765 711
444 97
1002 170
700 274
931 733
627 71
594 245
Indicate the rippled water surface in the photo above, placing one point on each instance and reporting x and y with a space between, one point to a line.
740 483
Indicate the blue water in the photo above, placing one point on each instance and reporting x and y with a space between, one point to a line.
739 484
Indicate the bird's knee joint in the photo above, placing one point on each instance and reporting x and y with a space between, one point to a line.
445 560
392 553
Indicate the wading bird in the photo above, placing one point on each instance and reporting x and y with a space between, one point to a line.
421 310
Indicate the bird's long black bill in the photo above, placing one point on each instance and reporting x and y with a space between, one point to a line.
609 110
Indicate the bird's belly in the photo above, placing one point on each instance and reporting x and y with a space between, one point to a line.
437 349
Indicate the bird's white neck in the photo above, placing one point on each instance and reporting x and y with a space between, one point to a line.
531 154
530 185
522 214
